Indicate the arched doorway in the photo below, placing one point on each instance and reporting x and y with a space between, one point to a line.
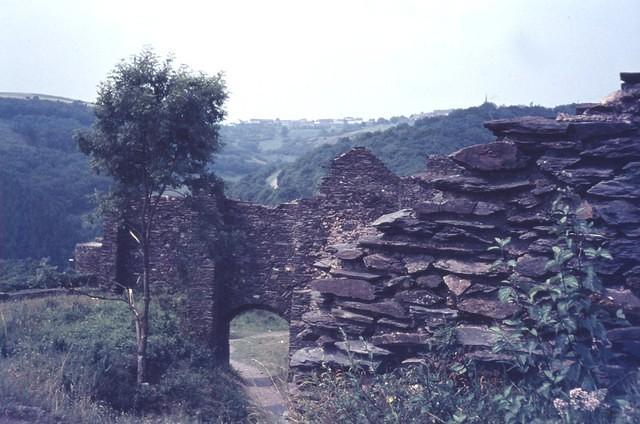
259 345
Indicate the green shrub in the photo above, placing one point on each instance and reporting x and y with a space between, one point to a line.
74 358
416 394
558 343
23 274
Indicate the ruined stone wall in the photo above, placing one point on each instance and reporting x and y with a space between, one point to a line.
427 264
391 259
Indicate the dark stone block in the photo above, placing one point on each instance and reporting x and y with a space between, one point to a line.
353 274
609 129
456 284
625 333
419 297
632 348
417 264
466 224
532 266
624 299
350 255
630 77
530 219
393 219
315 357
485 208
556 164
617 212
488 356
401 325
350 288
417 247
403 281
623 188
400 340
492 308
452 234
491 157
361 348
475 335
478 185
625 249
320 319
460 206
480 288
429 281
542 246
323 264
341 314
531 126
582 178
619 148
380 262
389 308
464 267
433 317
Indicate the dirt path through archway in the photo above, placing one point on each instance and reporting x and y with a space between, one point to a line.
260 386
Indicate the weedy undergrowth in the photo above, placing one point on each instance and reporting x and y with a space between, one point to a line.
558 341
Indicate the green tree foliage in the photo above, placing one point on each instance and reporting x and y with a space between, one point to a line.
156 128
402 148
45 182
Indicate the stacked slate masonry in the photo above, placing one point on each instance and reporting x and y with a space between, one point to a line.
391 259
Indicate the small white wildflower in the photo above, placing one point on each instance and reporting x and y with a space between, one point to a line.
582 400
415 388
560 404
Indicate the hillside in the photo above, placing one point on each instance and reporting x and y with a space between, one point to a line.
45 182
402 148
251 147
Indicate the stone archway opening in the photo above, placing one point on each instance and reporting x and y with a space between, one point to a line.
259 346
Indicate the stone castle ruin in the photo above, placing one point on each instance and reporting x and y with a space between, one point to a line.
390 259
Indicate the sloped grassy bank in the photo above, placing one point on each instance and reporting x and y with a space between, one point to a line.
71 359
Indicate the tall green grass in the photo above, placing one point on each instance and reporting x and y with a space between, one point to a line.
71 359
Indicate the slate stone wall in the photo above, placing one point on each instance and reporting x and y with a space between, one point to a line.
392 258
427 264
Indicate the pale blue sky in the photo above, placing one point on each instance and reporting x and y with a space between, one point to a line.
333 58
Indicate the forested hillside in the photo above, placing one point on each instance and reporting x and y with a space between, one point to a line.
45 182
253 146
402 148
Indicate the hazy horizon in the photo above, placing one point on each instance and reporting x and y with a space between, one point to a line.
295 59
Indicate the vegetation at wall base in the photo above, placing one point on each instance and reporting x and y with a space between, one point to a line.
458 393
71 359
555 355
26 274
558 341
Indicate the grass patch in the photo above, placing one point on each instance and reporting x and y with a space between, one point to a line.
72 359
256 321
261 339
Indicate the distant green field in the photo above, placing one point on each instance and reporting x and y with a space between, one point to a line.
261 339
26 96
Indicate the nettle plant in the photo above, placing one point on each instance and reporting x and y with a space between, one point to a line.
558 341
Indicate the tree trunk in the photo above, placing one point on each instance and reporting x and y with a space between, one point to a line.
142 324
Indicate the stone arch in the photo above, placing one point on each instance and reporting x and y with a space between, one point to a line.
224 335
